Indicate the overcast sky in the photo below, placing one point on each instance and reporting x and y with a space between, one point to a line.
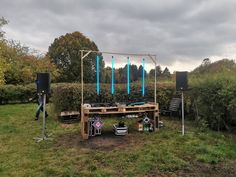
181 32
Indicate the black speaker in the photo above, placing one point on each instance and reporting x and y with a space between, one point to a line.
181 81
43 83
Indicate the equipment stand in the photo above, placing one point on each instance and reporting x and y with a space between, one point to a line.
45 136
182 113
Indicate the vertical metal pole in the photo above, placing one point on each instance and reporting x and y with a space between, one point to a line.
155 88
82 94
182 113
82 81
44 115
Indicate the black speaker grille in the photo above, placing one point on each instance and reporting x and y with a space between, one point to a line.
181 81
43 83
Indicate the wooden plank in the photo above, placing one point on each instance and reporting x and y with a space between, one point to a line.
114 107
69 113
84 127
118 110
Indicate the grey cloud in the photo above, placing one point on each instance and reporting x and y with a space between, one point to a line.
173 29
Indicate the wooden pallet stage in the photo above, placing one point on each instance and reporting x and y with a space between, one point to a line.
86 112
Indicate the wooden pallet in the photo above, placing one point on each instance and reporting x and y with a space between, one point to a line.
151 108
69 113
69 116
121 109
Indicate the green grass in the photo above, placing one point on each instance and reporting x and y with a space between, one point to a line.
149 153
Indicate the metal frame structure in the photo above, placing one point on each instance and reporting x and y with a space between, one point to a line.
154 109
85 53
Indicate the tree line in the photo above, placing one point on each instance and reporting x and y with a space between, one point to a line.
136 73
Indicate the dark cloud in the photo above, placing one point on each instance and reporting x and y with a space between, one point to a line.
176 30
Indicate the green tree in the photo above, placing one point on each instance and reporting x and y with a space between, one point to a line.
17 65
152 71
12 52
3 22
133 73
3 63
3 68
65 53
107 75
140 72
224 65
166 73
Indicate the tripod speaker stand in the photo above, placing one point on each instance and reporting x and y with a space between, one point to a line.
43 88
182 85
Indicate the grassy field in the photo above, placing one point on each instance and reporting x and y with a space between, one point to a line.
164 153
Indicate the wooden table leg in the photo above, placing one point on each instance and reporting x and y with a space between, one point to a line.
84 125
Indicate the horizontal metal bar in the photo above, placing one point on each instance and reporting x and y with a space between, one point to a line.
118 53
153 59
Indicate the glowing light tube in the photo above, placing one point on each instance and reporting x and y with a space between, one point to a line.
143 78
128 75
98 82
112 76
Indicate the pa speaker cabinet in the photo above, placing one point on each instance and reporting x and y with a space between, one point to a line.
43 83
181 81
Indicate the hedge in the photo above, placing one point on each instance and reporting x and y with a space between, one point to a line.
19 93
16 93
215 99
67 97
213 96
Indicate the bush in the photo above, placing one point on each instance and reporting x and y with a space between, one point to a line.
215 96
19 93
16 93
67 97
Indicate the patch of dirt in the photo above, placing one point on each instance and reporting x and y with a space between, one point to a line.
106 142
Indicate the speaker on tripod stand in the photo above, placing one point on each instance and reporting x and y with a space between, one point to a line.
182 85
43 89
